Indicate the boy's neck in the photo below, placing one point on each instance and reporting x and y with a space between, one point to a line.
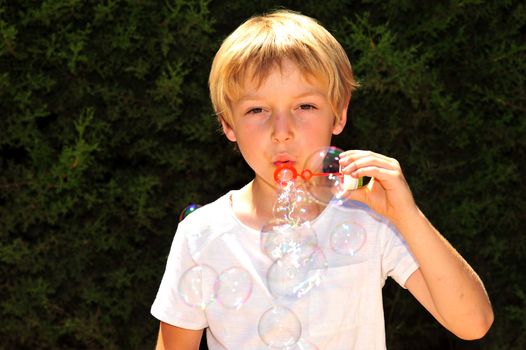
253 204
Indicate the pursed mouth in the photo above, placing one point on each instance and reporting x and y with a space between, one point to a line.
282 162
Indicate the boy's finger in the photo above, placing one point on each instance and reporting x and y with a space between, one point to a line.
379 173
349 167
348 156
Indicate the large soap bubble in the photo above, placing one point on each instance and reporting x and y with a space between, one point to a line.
303 208
233 287
293 276
348 238
279 327
324 180
196 286
322 175
279 238
293 202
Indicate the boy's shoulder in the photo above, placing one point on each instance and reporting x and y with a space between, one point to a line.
210 212
207 223
210 219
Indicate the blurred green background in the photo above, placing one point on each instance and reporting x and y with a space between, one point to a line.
107 133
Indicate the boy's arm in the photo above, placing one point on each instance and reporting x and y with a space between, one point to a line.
444 284
172 337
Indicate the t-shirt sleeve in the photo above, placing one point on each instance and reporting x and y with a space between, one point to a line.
169 306
397 260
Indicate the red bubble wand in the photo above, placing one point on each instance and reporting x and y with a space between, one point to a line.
286 172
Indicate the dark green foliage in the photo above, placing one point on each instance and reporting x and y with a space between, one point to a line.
444 92
106 133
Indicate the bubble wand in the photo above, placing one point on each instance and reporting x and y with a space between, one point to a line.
286 172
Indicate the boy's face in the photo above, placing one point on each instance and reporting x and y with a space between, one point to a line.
284 119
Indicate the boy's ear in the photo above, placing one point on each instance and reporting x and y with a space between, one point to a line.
228 130
339 125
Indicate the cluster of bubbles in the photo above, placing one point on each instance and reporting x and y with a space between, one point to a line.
231 288
289 240
201 285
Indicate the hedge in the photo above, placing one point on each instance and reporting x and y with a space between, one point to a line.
106 133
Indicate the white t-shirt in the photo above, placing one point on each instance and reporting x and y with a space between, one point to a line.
344 311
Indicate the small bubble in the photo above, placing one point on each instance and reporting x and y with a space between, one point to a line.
279 327
196 286
189 209
233 287
348 238
293 276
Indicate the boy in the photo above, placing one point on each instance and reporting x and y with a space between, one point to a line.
281 85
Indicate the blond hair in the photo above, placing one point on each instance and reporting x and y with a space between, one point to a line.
262 42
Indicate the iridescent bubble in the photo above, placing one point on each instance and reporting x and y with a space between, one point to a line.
322 175
281 211
196 286
348 238
189 209
284 201
302 208
233 287
279 238
293 202
293 276
279 327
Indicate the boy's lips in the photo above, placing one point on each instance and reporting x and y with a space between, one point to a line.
277 161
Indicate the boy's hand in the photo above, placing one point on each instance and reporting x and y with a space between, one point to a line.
444 283
388 192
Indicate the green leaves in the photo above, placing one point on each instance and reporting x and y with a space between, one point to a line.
443 92
106 133
90 146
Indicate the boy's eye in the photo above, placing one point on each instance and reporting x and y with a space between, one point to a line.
306 106
255 110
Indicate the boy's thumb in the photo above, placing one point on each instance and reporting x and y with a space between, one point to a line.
356 188
358 194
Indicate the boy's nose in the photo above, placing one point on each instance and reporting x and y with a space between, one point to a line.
282 128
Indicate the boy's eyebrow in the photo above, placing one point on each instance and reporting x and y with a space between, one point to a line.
309 92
